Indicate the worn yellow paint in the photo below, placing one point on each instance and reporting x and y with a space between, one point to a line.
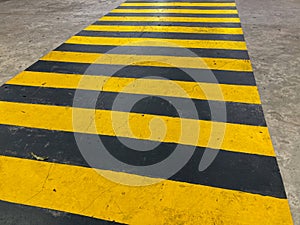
158 42
167 29
223 4
85 192
179 11
170 19
195 90
151 60
227 136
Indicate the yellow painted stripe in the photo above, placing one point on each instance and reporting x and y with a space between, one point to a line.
84 191
227 136
158 42
169 19
181 11
151 60
180 4
206 91
168 29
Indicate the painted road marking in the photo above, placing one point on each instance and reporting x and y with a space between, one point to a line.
91 195
183 36
149 50
170 29
239 113
136 41
160 42
169 19
151 60
222 76
178 4
256 139
256 174
206 91
177 11
13 212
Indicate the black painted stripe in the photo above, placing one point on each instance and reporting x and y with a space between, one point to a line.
179 7
12 214
231 37
146 50
241 113
222 77
175 15
234 171
165 23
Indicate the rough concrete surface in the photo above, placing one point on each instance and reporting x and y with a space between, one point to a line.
31 28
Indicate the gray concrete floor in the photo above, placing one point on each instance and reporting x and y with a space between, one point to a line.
31 28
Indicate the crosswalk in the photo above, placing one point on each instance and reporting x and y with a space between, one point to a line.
171 74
